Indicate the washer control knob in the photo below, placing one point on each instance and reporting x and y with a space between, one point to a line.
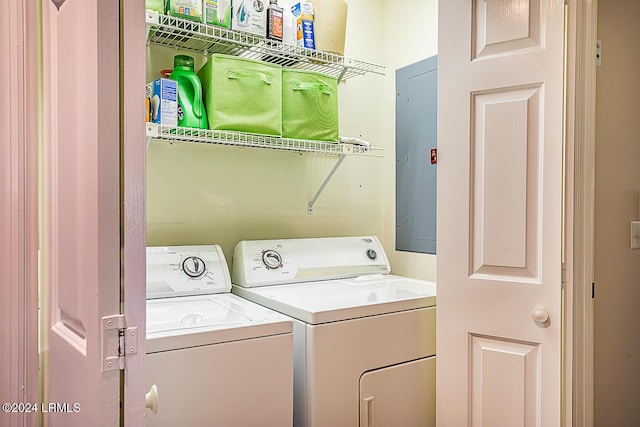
194 267
271 259
372 254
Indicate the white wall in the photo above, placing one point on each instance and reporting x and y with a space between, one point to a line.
202 194
616 266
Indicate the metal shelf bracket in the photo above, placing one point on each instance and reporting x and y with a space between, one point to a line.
151 19
324 184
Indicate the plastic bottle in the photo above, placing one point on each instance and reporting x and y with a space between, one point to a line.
155 5
289 30
274 21
191 112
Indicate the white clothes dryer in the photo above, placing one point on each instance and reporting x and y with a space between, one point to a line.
216 359
364 340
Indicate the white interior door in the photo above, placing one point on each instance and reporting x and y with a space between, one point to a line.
81 210
500 184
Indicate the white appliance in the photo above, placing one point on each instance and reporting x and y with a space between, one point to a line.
364 340
214 358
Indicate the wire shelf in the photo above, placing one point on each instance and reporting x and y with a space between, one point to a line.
240 139
193 36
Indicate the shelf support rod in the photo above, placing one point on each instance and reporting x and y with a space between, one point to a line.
344 70
324 184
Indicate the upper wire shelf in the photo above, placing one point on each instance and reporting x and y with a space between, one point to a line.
193 36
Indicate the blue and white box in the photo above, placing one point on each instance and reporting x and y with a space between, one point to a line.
163 102
303 13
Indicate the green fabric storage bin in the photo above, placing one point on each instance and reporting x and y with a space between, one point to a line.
309 105
242 95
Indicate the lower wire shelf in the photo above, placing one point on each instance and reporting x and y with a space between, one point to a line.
172 134
240 139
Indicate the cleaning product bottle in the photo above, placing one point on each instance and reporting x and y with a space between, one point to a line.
191 112
289 30
274 21
155 5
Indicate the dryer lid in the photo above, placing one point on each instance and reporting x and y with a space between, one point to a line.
186 270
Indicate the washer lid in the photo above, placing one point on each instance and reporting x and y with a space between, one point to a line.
335 300
186 270
183 322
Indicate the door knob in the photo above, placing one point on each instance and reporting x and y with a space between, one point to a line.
540 314
151 399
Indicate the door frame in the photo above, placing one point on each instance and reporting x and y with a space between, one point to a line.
133 196
582 344
19 250
579 336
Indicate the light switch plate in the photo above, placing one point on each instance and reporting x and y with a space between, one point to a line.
635 234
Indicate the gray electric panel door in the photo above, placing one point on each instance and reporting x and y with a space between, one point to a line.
416 136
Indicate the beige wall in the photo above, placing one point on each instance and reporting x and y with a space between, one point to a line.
201 194
410 35
617 268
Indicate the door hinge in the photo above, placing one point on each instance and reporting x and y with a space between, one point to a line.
565 274
118 342
593 290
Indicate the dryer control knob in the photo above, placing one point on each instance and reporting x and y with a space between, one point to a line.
372 254
271 259
194 267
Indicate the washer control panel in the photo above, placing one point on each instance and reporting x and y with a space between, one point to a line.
186 270
271 262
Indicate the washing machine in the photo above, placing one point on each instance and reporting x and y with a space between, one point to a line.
364 339
213 358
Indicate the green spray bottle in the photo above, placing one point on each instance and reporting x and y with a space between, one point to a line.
191 112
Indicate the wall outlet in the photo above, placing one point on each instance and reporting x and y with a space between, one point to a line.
635 234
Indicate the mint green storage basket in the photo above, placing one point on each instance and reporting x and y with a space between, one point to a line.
242 95
309 105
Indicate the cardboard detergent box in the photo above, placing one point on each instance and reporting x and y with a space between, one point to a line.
163 102
185 9
249 16
303 13
217 12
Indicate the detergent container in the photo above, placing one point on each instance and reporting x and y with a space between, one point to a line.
155 5
191 112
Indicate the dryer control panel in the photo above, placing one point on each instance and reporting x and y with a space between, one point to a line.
274 262
186 270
